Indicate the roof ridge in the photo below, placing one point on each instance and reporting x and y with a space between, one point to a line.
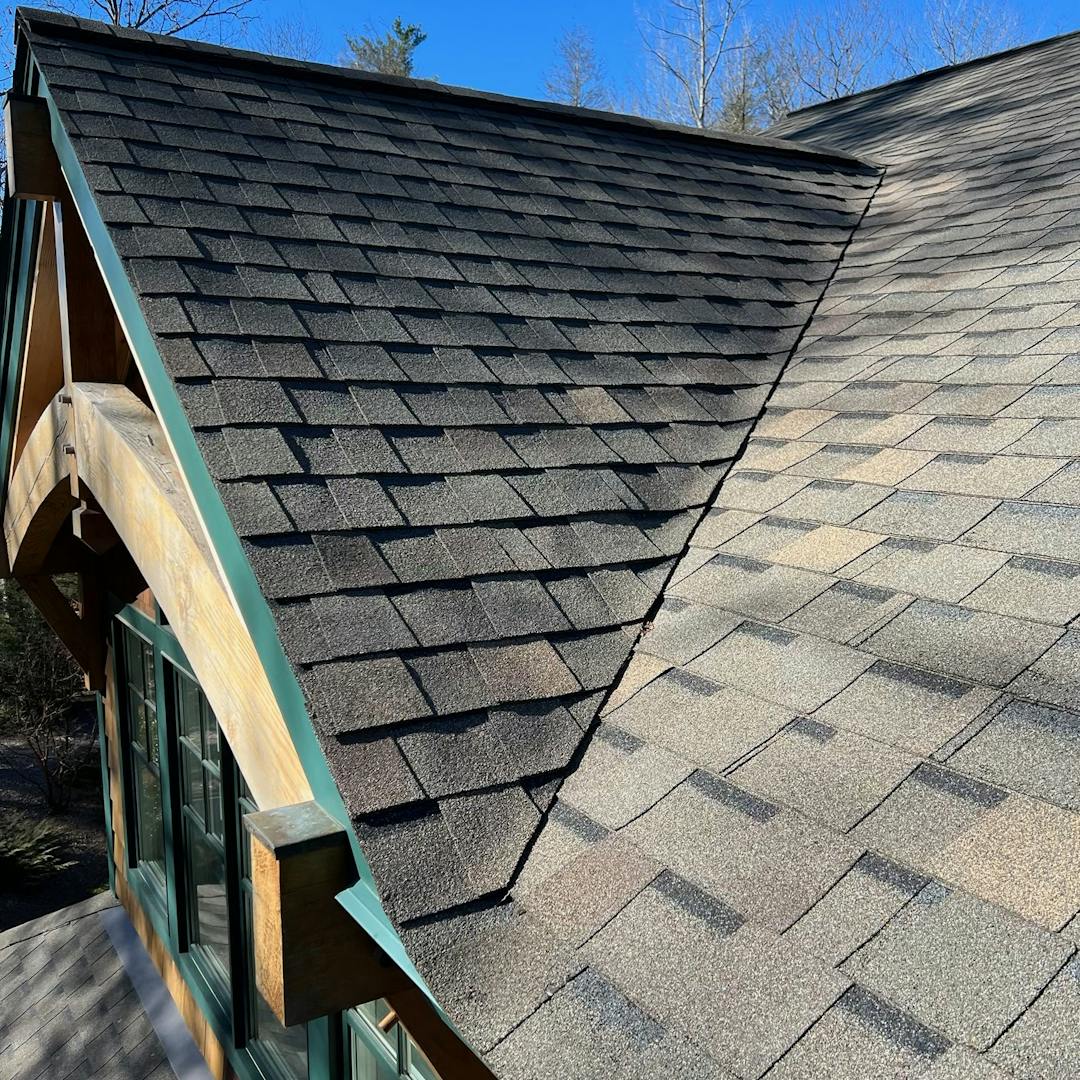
35 18
934 73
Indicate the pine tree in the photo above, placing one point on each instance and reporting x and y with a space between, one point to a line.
390 53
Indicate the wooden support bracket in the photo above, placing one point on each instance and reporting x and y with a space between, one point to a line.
311 957
33 171
82 636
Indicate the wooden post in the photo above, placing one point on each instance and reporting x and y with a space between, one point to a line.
311 957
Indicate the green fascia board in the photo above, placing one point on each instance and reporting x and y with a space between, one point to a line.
18 249
224 541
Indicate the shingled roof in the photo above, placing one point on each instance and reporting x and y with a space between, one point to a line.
466 373
470 374
828 826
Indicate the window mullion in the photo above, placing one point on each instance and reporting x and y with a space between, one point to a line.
121 710
169 759
230 828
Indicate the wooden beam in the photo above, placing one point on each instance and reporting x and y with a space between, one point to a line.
33 171
443 1047
311 957
39 500
123 460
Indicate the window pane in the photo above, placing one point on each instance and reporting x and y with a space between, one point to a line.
137 719
213 736
287 1046
133 660
151 834
367 1064
206 881
213 802
419 1066
151 731
149 681
187 702
191 766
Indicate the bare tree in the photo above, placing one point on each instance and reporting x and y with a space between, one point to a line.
578 75
840 52
293 37
777 73
957 30
688 48
46 735
828 53
164 16
741 98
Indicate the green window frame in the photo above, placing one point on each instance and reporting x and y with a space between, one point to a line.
144 787
207 840
198 852
379 1047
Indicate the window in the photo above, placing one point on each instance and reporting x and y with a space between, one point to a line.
186 839
146 831
379 1048
216 854
203 840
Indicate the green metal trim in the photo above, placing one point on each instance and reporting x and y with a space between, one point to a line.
226 544
103 752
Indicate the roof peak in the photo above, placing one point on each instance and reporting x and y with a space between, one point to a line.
934 73
34 19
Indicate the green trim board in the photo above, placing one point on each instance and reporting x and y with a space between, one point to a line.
17 255
103 754
362 901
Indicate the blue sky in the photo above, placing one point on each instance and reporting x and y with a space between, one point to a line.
508 47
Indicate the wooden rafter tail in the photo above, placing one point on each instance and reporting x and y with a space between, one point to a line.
33 171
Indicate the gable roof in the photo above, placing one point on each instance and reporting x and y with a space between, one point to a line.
465 377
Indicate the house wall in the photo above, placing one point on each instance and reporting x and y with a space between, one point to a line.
197 1024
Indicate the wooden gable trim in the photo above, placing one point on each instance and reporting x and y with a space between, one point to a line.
123 461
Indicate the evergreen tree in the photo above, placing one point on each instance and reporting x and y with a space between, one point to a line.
390 53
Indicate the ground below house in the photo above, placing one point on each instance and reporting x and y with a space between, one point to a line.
83 826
